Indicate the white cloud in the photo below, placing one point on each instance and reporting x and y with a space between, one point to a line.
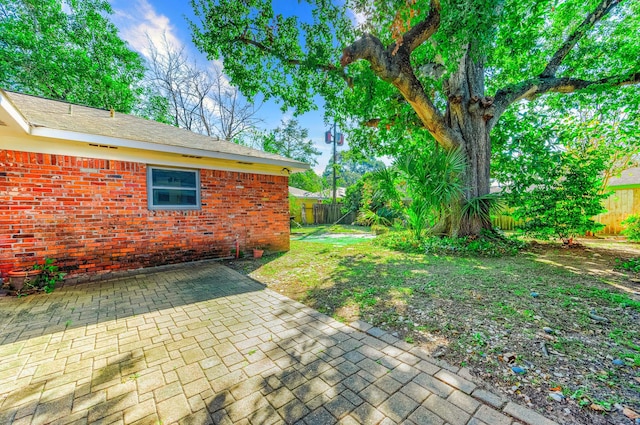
359 18
139 21
287 116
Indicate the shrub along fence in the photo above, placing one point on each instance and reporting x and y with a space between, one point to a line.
623 202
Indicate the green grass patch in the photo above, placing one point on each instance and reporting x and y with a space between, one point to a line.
632 264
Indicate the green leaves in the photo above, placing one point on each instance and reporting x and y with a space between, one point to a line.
434 175
282 57
632 229
553 169
72 54
351 166
291 140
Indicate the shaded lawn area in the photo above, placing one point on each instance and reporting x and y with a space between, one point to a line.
535 310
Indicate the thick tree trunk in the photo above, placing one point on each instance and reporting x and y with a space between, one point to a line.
466 123
469 112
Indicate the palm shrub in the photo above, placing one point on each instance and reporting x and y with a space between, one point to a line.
425 188
483 206
417 217
420 188
434 185
368 217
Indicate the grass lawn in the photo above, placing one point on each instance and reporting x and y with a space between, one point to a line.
565 316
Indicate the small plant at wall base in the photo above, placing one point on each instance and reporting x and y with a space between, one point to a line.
51 274
632 227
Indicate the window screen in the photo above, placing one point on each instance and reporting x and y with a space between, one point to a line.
171 188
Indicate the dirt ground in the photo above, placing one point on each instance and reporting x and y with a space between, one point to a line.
582 368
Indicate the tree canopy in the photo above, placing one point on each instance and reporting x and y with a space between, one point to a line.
414 71
292 141
524 49
67 50
351 166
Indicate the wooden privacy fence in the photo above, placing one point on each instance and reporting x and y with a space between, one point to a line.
330 214
504 222
620 205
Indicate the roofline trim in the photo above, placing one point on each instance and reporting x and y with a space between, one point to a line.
624 186
135 144
13 111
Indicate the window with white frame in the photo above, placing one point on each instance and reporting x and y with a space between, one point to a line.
173 188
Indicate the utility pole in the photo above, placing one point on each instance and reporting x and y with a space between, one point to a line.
338 140
335 163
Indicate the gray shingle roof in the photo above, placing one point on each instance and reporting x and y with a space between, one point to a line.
324 194
627 177
41 112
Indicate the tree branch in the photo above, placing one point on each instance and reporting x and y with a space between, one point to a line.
294 62
393 65
424 29
370 48
541 85
601 10
547 82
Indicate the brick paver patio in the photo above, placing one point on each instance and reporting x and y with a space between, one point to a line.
200 343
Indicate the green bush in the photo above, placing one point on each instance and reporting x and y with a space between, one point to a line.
488 244
403 240
632 227
379 229
555 193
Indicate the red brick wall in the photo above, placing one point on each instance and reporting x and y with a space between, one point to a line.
91 215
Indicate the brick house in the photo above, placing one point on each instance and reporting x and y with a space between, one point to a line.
101 191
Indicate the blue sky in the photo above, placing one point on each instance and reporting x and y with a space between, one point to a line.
137 18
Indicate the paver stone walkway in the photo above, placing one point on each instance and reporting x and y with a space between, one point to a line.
200 343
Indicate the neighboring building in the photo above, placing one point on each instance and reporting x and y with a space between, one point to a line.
304 201
99 191
624 201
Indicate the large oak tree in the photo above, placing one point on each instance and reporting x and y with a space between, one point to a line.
413 71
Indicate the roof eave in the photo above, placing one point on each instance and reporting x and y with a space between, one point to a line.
13 111
292 166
